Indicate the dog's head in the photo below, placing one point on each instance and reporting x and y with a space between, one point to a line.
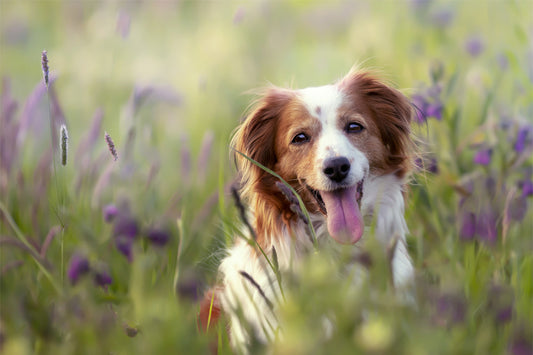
324 141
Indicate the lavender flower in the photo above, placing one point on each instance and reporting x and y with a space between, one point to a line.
450 309
64 144
125 246
123 24
126 226
468 226
44 65
158 237
527 188
474 45
102 278
486 226
110 212
517 208
189 287
521 343
500 303
125 230
79 266
483 156
111 146
238 16
522 138
428 103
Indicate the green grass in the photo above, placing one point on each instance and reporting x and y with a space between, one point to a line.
171 91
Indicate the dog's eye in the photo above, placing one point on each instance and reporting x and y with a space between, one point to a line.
300 138
354 127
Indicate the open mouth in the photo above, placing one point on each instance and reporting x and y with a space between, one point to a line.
342 210
320 202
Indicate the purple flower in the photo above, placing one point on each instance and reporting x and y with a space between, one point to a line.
483 156
486 227
521 343
474 46
126 226
433 166
124 245
450 309
158 237
427 103
110 212
434 110
518 208
102 278
500 303
503 61
468 226
522 138
420 107
189 287
79 266
442 18
527 188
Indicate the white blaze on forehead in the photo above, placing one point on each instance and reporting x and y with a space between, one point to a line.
322 102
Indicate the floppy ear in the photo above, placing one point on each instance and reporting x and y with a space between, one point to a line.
393 113
255 138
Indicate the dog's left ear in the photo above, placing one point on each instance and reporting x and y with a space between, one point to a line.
393 114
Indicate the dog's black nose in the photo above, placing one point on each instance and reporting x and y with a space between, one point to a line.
336 169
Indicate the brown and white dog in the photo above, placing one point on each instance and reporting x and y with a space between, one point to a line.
346 149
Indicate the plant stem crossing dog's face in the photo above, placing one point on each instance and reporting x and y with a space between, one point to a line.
325 141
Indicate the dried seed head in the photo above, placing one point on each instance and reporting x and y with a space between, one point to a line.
111 146
64 144
44 64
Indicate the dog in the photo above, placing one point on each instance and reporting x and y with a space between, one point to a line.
346 149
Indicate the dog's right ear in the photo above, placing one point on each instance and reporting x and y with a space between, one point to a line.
255 137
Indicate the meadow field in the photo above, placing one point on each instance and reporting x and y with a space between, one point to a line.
116 171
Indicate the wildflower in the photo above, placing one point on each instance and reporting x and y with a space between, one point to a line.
503 61
125 246
123 24
158 237
64 144
125 231
126 226
189 287
474 45
483 156
523 137
102 278
238 16
517 208
450 309
527 188
468 226
44 65
486 226
500 303
110 212
521 343
111 146
428 104
79 266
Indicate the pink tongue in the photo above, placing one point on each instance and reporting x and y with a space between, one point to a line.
345 223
